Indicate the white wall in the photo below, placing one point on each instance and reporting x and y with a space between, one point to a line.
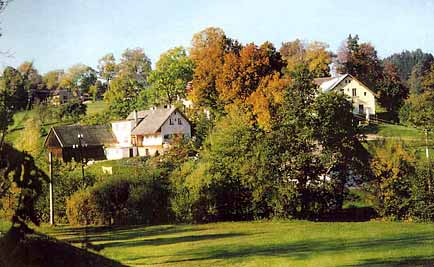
368 100
152 140
117 153
122 131
176 127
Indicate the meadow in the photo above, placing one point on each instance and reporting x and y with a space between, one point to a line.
260 243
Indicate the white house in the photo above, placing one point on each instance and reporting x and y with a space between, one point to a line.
362 97
147 132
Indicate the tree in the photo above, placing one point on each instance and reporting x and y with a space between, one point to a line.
21 180
135 65
418 110
428 79
79 78
208 49
14 87
407 60
391 91
52 79
243 71
128 90
392 167
361 61
107 67
173 71
343 157
313 54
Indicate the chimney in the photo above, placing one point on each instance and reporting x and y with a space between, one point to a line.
135 117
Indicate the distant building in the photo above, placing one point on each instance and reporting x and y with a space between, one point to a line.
362 97
60 97
147 132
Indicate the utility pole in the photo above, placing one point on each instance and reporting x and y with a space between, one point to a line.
429 160
80 146
50 160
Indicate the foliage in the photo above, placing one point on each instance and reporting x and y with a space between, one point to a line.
168 81
79 78
21 184
313 54
418 110
361 61
107 67
30 138
72 110
392 167
391 91
410 63
121 200
67 179
208 50
127 90
52 79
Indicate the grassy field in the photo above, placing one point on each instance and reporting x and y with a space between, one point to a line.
96 107
286 243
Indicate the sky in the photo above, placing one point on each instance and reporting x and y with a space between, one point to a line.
56 34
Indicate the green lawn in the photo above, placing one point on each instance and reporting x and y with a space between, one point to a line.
285 243
96 107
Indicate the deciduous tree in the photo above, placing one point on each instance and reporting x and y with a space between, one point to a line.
173 71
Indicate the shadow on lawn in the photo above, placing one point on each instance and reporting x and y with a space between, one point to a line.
303 250
117 233
397 262
171 240
40 250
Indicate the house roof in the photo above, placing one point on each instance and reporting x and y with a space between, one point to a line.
96 135
151 120
329 83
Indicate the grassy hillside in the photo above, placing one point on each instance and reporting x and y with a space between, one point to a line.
286 243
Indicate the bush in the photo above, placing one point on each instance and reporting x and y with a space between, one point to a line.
81 209
122 200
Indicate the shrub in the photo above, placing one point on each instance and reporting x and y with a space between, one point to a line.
123 200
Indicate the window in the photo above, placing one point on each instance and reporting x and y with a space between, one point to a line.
171 122
354 92
364 93
166 136
361 109
179 121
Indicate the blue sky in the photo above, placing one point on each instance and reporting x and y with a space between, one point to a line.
57 34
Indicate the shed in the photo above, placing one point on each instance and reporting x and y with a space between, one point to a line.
61 141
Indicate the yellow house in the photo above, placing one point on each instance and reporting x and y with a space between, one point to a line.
362 97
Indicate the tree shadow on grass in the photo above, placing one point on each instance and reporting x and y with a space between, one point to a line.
171 240
397 262
117 233
40 250
305 249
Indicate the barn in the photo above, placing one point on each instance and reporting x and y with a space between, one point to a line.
61 141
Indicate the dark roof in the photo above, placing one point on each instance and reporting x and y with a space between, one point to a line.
96 135
153 121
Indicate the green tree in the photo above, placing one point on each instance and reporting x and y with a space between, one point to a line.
128 90
343 157
79 78
52 79
173 71
418 110
107 67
